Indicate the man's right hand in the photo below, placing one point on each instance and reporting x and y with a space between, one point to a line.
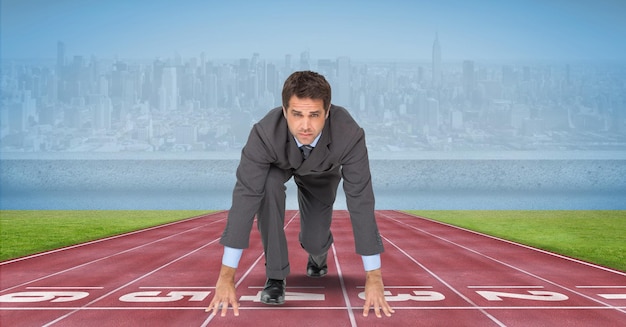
224 293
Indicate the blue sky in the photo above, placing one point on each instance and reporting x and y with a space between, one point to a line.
391 29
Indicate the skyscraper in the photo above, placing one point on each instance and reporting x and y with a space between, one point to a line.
343 88
169 89
469 80
60 71
436 62
60 57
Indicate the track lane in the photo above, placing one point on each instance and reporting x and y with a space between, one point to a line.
504 276
414 293
433 273
102 267
50 263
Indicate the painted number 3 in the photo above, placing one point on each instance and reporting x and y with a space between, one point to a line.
416 296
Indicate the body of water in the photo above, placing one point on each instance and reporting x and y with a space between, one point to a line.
439 184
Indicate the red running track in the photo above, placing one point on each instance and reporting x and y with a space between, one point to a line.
435 275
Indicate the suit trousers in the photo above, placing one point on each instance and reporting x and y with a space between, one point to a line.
315 219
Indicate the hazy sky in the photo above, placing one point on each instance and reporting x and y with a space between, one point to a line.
389 29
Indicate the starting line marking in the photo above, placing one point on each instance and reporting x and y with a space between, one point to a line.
312 308
402 293
289 296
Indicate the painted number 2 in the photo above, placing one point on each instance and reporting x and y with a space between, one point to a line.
534 296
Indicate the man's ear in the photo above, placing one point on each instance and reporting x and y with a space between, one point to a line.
327 112
284 112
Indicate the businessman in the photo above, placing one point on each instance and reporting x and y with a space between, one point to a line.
318 144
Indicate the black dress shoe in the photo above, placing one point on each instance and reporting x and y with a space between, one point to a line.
317 267
274 292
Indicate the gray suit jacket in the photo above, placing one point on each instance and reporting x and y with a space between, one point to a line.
340 153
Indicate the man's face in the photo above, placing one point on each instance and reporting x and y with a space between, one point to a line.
305 118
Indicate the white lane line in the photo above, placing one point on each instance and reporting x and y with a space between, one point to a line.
343 289
107 239
211 316
468 300
499 261
613 296
106 257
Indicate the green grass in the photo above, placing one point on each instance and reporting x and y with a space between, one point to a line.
594 236
24 232
591 235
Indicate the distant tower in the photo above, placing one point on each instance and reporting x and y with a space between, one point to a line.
436 61
60 57
288 63
60 72
169 90
304 60
469 79
342 96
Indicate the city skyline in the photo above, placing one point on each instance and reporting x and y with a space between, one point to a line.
520 75
88 104
364 30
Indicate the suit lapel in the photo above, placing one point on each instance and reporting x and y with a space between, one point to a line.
295 156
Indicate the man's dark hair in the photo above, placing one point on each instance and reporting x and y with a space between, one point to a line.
307 84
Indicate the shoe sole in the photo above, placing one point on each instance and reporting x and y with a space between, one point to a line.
277 302
320 275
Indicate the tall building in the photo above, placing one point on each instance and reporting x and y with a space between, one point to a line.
305 58
469 80
61 72
102 113
170 90
288 63
60 57
433 121
271 79
437 74
211 91
343 91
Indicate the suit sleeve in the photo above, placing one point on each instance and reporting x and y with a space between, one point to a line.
249 190
357 185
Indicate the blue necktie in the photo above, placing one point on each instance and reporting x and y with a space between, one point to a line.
306 150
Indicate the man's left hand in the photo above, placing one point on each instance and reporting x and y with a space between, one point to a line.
375 294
